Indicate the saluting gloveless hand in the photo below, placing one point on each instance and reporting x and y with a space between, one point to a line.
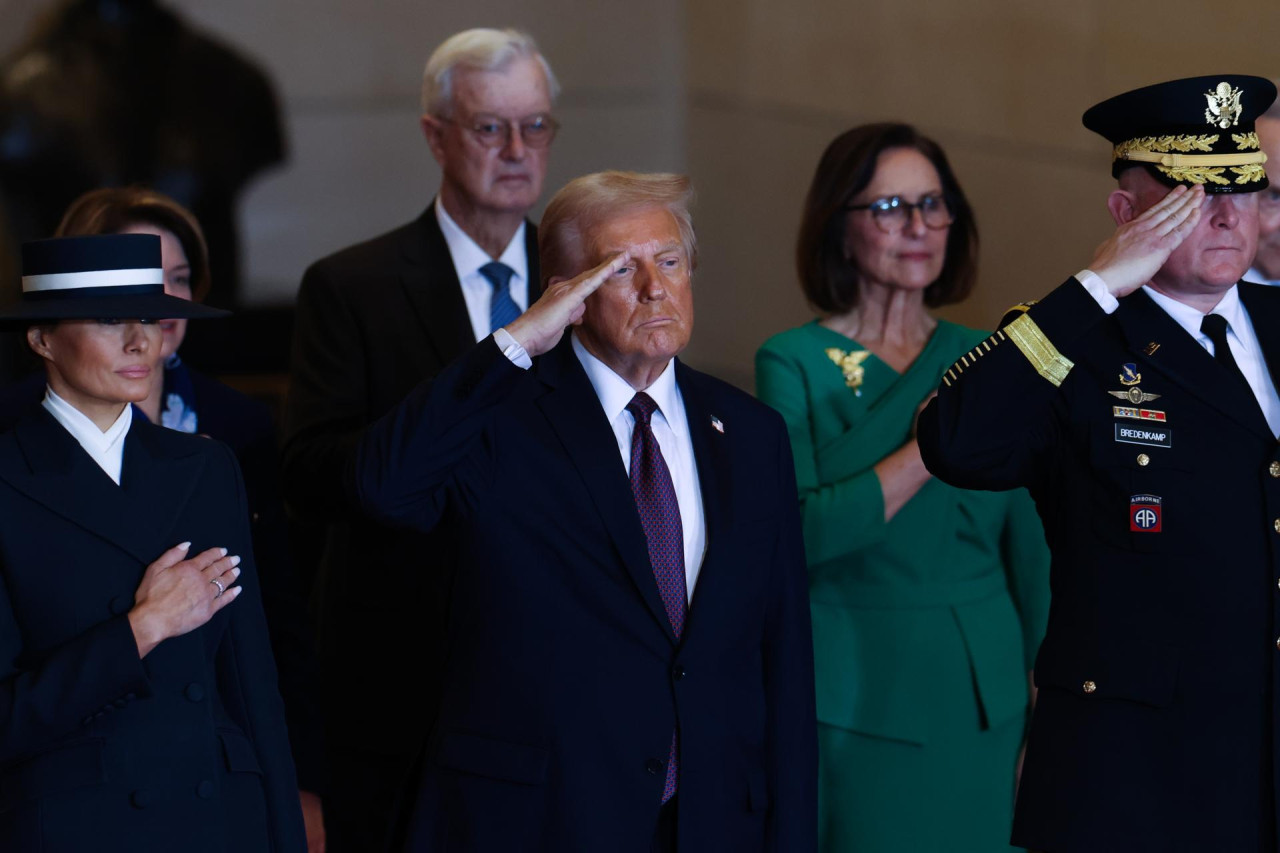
1139 248
561 305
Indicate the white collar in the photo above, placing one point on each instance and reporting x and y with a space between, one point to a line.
1190 318
105 448
615 392
467 255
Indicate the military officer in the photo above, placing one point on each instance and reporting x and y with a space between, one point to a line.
1137 402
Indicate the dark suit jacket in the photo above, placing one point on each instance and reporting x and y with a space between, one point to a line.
1153 729
564 680
245 426
186 749
373 321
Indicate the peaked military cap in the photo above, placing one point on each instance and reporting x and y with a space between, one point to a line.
1199 130
106 276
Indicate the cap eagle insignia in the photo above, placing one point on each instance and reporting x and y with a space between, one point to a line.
1224 105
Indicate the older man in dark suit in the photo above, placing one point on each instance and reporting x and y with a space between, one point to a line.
373 321
629 660
1137 402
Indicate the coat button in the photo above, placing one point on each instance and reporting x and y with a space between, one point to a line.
141 798
120 604
1090 686
1274 469
1276 525
654 766
1144 459
205 790
678 672
194 692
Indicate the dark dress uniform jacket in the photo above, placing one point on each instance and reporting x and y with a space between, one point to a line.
183 750
374 321
564 680
1154 725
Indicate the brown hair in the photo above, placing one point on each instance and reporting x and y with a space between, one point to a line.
829 279
112 209
585 201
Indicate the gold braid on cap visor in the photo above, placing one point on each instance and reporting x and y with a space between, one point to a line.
1171 156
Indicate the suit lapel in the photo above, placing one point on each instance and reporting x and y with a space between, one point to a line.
1263 304
574 412
133 516
1181 358
431 284
711 453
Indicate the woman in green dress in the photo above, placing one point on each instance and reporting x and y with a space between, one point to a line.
929 602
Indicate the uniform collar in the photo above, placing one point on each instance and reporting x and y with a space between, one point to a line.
1190 319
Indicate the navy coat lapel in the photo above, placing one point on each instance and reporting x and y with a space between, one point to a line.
156 483
711 453
431 285
574 412
1181 358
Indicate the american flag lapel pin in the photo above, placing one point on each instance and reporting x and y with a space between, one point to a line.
717 424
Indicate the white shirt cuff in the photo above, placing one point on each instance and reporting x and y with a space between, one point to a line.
1098 290
511 349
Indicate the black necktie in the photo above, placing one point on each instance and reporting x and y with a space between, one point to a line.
1215 326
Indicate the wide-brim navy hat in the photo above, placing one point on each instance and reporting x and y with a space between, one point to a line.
1199 130
102 277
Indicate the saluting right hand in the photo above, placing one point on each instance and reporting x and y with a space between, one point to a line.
560 306
1140 247
178 595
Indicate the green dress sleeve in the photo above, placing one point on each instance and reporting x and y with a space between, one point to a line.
839 517
1026 564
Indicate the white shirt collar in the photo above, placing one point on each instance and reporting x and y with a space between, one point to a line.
1190 318
105 448
467 255
615 392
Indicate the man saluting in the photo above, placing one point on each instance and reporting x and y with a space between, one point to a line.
1137 402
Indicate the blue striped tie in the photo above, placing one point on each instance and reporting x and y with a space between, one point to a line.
502 308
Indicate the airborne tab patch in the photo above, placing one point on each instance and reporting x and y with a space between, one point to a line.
1144 514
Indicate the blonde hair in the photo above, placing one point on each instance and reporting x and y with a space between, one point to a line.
480 49
586 201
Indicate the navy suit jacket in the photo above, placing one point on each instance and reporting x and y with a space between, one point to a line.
99 750
563 678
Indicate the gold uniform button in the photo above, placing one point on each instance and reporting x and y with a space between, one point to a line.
1274 469
1143 459
1276 525
1089 686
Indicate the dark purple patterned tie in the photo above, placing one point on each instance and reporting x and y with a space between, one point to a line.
660 516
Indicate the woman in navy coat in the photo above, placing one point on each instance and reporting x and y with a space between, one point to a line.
138 700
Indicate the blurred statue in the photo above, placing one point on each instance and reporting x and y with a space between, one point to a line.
116 92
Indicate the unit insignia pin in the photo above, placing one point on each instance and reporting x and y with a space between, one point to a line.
1151 348
1129 374
1144 513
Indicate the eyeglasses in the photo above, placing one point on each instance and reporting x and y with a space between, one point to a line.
492 132
893 214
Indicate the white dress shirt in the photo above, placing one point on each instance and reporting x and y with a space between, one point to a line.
468 258
671 428
1241 336
105 448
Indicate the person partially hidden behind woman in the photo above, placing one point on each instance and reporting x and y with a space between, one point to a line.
138 701
928 602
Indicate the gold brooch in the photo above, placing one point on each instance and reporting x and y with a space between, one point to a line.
850 364
1224 105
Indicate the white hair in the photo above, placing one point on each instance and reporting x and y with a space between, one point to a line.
481 49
